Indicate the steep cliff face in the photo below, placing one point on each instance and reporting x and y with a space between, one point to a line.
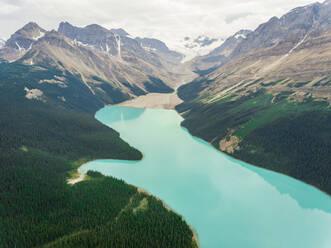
24 37
21 41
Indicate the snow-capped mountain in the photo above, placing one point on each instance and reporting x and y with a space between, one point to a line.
198 46
107 61
23 38
21 41
220 54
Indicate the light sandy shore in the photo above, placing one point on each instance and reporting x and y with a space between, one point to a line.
161 100
154 100
73 181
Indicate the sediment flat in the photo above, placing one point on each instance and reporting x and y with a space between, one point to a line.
154 100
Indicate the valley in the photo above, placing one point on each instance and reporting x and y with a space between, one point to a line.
163 100
268 98
210 190
107 139
47 131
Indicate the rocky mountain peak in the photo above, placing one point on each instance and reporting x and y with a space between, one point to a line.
117 43
24 37
119 31
155 45
92 34
96 29
230 43
289 30
242 34
152 44
64 26
31 26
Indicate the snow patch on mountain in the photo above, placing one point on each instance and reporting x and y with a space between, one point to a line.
199 46
237 36
41 34
19 47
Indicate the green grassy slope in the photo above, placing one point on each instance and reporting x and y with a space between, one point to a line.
290 137
42 142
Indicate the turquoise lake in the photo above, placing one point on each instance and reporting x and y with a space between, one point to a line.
229 203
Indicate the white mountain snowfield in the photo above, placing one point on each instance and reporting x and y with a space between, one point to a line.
2 42
41 34
193 47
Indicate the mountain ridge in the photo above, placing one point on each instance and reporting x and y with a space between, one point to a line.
98 56
270 100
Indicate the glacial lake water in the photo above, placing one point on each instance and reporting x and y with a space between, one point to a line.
229 203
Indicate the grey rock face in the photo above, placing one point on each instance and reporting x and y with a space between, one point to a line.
2 42
119 31
24 37
231 42
290 29
156 45
116 42
222 53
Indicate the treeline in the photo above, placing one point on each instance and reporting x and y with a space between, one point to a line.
39 209
289 137
41 144
298 146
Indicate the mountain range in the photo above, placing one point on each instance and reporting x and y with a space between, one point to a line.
108 62
262 96
267 97
51 85
220 54
201 45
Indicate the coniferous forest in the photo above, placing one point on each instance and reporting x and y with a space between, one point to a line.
42 143
285 136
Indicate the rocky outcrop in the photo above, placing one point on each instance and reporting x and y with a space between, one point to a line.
229 144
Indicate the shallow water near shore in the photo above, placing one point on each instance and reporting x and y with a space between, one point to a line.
229 203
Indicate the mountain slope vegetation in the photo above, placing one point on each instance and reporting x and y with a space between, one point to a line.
268 103
47 130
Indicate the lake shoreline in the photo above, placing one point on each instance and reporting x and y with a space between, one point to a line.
232 158
148 105
211 181
82 177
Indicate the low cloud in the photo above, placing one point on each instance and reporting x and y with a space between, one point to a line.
234 17
169 20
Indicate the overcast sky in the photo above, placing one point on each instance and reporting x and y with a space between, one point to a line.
168 20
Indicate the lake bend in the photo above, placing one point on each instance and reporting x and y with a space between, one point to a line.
229 203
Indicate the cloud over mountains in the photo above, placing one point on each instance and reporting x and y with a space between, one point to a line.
169 20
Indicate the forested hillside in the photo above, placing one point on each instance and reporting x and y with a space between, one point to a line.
272 132
45 135
268 102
